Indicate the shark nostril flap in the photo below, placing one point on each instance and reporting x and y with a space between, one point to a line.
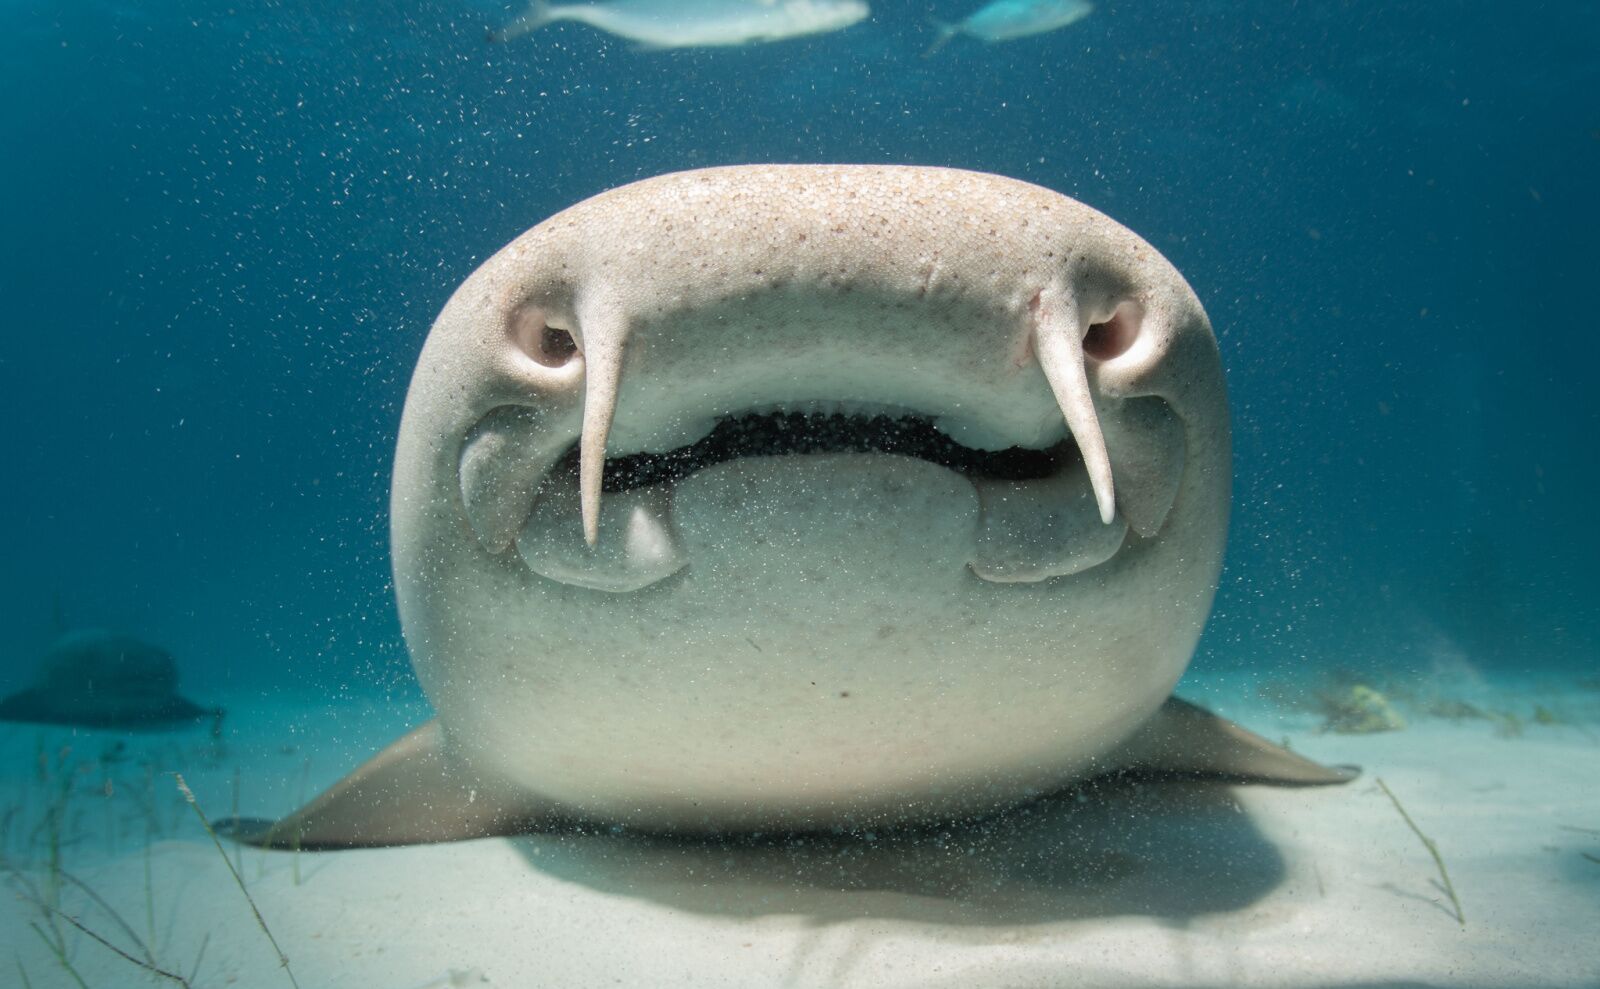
501 467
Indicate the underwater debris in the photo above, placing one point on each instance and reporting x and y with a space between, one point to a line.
1433 849
1358 710
98 679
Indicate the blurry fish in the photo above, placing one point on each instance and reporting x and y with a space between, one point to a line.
101 679
694 23
1003 20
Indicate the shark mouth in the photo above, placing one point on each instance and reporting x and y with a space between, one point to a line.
813 428
1038 515
1043 513
1059 350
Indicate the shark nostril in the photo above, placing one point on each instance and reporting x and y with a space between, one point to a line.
547 345
1115 336
556 346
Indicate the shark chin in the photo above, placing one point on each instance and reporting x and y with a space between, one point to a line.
801 497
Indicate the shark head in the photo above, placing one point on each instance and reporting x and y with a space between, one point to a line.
808 494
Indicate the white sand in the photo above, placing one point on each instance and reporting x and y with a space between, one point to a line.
1159 885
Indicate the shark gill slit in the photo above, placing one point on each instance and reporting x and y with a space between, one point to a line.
1058 344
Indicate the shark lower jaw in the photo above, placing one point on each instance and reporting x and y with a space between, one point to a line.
876 477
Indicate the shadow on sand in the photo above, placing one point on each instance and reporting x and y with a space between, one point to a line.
1173 850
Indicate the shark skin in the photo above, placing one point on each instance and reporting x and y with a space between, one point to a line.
802 497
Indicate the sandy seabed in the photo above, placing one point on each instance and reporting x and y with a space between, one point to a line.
1115 884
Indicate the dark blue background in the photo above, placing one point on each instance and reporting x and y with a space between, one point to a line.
227 228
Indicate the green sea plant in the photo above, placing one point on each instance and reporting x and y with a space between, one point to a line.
53 824
283 959
149 895
233 815
100 939
108 792
49 890
300 801
57 946
53 914
1433 849
6 821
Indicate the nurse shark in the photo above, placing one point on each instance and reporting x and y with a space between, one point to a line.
802 497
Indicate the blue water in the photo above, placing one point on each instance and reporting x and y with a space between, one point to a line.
228 227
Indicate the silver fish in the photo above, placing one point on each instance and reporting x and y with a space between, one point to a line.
1004 20
694 23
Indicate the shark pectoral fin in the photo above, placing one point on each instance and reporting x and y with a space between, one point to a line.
405 795
1186 740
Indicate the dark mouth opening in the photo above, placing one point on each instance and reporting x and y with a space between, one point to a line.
798 433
